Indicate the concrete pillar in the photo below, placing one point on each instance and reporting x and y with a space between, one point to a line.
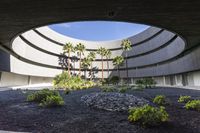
176 82
131 80
164 81
29 80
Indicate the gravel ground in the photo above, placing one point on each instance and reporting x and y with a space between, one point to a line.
75 117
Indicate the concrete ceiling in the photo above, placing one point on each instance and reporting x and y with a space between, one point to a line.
180 16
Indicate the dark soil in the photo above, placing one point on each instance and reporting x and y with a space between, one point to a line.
75 117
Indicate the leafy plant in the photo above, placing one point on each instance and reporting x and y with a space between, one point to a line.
80 48
71 83
68 48
160 100
149 82
102 52
91 56
61 79
118 61
123 89
145 83
52 101
148 115
108 55
184 99
140 84
46 97
194 105
126 46
41 95
107 88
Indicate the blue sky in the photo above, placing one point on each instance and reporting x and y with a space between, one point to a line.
98 30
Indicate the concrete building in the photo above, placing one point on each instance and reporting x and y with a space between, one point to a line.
168 51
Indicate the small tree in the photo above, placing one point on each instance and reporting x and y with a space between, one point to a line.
126 46
68 48
108 55
80 48
91 57
102 51
117 61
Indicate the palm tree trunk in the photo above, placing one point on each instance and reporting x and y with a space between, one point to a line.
74 67
80 66
68 61
126 68
108 67
102 67
91 72
85 73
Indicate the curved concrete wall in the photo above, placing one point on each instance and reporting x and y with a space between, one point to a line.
155 53
41 48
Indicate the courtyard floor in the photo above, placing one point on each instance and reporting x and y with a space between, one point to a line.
75 117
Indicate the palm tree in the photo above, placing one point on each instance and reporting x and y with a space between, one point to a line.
108 55
68 48
85 65
74 59
126 46
91 57
117 61
101 51
80 48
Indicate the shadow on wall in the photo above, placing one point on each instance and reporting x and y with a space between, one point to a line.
62 61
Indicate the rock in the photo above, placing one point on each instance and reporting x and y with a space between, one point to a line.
113 101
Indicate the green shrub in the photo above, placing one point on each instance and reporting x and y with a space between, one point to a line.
148 115
160 100
149 82
145 83
193 105
61 79
107 88
71 83
52 101
184 99
123 89
41 95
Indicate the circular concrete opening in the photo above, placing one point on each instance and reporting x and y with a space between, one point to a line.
37 51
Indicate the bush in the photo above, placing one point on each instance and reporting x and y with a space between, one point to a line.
39 96
184 99
46 97
61 79
194 105
160 100
52 101
145 83
148 115
139 84
149 83
123 89
71 83
107 88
